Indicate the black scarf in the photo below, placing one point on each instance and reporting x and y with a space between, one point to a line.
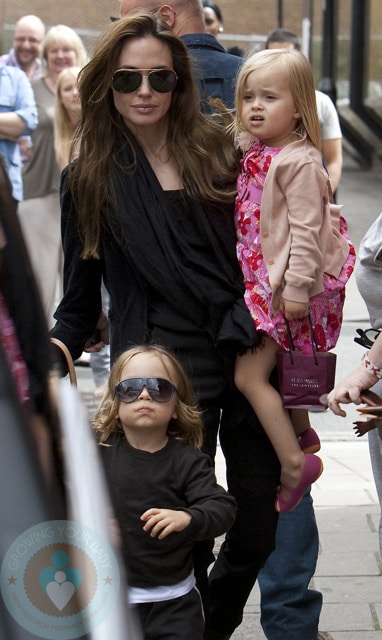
203 281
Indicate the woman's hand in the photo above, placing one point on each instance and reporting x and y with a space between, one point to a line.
164 521
294 310
100 336
350 389
361 379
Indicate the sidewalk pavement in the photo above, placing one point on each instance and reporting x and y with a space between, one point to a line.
349 567
347 510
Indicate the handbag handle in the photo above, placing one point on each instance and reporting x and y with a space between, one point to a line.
312 340
69 360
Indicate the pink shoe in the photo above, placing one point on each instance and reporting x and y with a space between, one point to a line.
311 471
309 441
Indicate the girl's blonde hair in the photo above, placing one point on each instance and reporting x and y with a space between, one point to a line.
64 130
63 35
294 66
187 426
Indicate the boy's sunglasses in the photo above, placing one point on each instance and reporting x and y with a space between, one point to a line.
128 80
159 389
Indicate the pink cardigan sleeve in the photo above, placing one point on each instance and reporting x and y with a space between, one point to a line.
304 194
298 238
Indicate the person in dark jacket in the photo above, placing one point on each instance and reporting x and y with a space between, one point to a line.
215 70
148 207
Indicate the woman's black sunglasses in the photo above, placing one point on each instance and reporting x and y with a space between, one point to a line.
159 389
128 80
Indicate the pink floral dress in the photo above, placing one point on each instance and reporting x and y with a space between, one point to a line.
325 308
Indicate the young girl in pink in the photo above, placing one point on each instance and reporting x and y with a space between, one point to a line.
293 248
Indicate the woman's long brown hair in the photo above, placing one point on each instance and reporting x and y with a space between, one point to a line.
207 161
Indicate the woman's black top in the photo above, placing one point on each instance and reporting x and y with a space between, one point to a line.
169 264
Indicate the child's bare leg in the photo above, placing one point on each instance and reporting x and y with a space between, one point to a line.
309 440
300 420
252 373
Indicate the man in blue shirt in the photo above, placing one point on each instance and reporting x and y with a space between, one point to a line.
18 116
27 44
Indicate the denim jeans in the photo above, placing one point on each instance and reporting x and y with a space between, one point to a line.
289 609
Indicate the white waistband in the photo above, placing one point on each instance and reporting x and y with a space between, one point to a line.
138 595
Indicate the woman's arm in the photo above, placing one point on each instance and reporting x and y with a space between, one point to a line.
79 311
362 378
332 153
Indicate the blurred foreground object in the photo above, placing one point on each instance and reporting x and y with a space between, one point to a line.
50 505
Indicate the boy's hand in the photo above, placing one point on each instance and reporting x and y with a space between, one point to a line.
164 521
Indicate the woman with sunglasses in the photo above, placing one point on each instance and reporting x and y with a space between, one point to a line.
163 488
148 206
